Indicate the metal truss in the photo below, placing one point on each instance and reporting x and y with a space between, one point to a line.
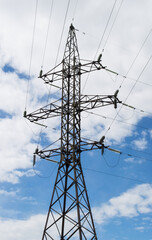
86 102
69 215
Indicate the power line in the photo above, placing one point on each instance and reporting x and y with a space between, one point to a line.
47 33
31 128
114 165
64 22
133 79
136 109
125 76
136 56
129 93
66 13
105 28
132 155
40 176
114 175
137 80
52 143
141 152
138 77
101 41
110 118
31 54
121 152
112 25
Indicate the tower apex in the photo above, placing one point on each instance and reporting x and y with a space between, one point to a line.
72 27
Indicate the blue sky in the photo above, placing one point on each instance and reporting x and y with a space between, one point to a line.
119 185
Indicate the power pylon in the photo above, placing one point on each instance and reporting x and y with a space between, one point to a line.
69 215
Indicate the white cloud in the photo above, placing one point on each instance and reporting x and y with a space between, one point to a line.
130 160
13 176
22 229
140 143
31 228
17 141
131 203
8 193
141 229
16 146
14 194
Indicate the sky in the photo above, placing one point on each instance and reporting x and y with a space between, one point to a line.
33 37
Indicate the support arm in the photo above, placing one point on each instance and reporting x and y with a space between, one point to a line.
87 145
56 74
48 111
95 101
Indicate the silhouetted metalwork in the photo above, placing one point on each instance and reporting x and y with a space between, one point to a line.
69 215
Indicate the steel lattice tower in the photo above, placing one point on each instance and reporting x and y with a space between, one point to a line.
69 215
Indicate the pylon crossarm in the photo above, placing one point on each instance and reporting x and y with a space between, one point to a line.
51 110
91 66
94 145
53 75
91 145
46 154
95 101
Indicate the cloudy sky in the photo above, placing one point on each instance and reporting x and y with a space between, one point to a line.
32 37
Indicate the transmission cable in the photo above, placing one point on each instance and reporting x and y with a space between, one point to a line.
133 79
52 143
31 54
138 78
122 152
47 33
110 118
125 76
101 40
135 156
105 28
112 165
63 27
114 175
129 93
112 25
136 57
40 176
143 152
64 22
43 57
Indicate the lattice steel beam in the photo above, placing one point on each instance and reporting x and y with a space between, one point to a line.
69 215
